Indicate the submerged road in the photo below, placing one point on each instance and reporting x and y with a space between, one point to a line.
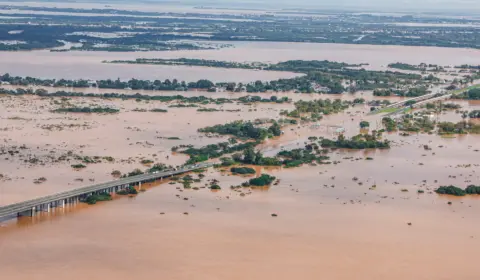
29 207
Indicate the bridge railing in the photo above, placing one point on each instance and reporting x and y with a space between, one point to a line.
27 205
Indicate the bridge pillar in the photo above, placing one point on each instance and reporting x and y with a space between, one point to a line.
28 213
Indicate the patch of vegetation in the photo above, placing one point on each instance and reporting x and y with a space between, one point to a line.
452 128
245 130
361 141
156 110
135 172
390 124
413 123
242 170
192 62
214 151
158 167
475 114
97 110
78 166
127 191
472 189
183 106
94 198
298 157
451 190
405 66
263 180
472 94
208 110
364 124
317 108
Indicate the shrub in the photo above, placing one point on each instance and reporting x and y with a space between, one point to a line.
451 190
364 124
227 161
473 189
159 110
242 170
128 190
263 180
98 110
92 199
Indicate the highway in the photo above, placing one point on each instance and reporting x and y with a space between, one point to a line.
424 99
63 197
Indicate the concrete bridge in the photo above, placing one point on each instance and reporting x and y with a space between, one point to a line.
421 100
400 104
46 203
418 104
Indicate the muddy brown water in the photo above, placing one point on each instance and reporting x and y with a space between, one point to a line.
328 224
88 65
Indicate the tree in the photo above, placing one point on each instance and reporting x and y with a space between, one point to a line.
231 86
475 114
258 157
237 157
249 155
364 124
263 180
275 129
410 102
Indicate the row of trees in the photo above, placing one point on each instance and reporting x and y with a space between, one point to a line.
98 110
411 92
318 76
162 98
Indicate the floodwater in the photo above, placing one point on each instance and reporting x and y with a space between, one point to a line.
88 65
327 224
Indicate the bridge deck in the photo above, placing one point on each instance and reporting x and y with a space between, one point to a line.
13 209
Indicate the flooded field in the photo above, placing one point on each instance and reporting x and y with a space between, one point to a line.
88 65
398 234
360 217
